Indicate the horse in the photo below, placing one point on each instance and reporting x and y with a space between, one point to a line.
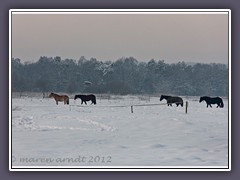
85 98
210 100
60 98
172 99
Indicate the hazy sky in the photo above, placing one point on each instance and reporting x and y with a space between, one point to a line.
169 37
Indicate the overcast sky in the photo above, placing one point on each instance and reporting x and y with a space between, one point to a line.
169 37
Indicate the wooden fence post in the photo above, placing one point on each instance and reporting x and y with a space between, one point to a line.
186 107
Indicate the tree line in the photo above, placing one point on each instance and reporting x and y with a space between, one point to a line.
124 76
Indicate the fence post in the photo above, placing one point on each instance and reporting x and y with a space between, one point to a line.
186 107
131 109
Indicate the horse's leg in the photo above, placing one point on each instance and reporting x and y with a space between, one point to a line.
210 105
82 102
85 102
56 102
219 105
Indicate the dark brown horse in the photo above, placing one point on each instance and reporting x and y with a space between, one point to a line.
172 99
212 100
60 98
85 98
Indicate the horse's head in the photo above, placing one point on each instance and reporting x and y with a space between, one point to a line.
50 95
75 97
161 98
201 99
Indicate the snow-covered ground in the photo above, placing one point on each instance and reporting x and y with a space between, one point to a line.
108 134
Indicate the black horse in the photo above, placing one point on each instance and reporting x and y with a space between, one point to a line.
215 100
172 99
85 98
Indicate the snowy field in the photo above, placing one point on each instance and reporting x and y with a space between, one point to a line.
108 134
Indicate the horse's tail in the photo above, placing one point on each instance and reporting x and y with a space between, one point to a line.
221 103
94 99
181 102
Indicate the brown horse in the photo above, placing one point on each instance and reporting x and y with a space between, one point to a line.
60 98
